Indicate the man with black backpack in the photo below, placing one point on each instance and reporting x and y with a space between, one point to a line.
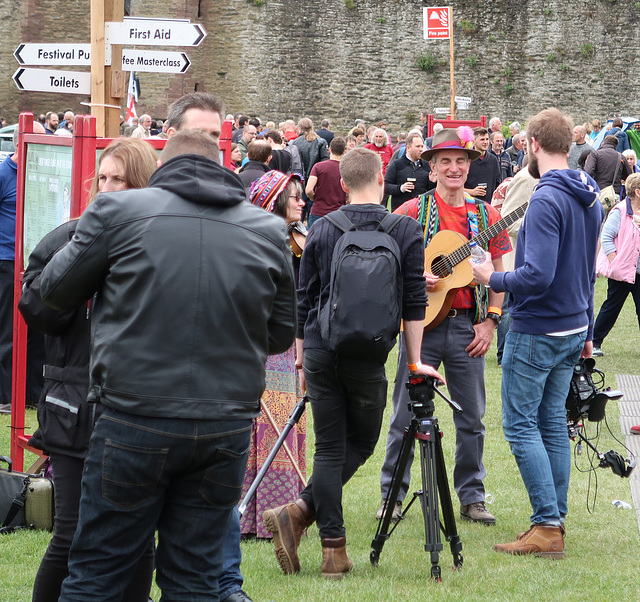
361 272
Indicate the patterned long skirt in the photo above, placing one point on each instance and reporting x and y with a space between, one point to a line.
281 484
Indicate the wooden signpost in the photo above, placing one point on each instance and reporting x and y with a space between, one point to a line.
108 60
54 171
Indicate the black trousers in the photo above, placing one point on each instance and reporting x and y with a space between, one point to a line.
347 398
6 329
67 474
617 293
35 344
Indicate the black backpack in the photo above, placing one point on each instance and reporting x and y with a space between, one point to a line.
361 316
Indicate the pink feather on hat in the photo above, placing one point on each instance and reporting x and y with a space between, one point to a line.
465 133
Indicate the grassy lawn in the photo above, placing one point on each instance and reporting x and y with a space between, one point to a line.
602 553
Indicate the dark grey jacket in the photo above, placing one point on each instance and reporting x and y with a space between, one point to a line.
195 289
601 166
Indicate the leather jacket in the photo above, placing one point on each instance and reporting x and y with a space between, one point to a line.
195 289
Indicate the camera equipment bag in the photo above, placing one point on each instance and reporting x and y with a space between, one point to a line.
26 501
361 316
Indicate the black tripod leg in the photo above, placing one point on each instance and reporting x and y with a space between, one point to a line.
430 509
449 527
382 533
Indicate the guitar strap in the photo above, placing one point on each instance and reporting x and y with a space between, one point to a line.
480 291
477 222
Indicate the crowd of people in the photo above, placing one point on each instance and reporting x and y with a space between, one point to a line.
174 342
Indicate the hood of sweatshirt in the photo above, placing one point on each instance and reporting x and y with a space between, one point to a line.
577 183
199 180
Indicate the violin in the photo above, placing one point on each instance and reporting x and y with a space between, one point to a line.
297 238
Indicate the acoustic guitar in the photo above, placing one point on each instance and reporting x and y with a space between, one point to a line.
444 257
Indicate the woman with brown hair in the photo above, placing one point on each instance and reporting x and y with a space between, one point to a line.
280 194
66 418
124 164
313 149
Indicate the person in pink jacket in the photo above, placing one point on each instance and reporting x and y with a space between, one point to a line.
619 261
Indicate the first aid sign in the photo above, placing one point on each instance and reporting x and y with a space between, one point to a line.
437 22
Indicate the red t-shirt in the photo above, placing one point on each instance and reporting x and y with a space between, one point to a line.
328 194
456 219
385 152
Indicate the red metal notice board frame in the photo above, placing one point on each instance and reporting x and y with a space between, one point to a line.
454 123
85 146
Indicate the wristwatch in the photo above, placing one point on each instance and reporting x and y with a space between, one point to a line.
495 317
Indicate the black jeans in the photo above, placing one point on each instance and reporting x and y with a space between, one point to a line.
67 473
347 398
617 293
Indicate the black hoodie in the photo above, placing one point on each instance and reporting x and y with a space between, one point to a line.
195 289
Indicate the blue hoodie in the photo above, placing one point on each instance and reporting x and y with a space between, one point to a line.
552 283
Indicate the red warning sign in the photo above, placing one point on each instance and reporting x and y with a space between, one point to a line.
437 22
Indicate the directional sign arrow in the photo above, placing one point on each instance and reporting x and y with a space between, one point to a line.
53 54
154 61
49 80
155 32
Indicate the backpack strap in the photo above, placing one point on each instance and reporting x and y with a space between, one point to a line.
389 222
340 221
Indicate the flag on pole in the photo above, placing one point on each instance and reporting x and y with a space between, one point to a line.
132 98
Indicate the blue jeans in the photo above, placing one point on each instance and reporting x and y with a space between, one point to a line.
312 219
230 580
53 569
183 476
536 375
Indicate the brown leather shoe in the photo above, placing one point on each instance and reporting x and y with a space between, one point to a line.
335 562
287 524
540 540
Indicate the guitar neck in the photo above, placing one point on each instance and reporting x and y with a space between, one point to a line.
485 236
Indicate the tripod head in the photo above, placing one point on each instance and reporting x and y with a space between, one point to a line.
422 390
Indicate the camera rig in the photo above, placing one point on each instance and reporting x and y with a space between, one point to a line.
434 497
587 400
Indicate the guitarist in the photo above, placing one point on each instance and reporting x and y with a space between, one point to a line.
463 338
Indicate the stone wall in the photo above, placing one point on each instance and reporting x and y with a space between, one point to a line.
343 59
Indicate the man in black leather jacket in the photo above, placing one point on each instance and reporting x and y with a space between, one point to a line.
196 288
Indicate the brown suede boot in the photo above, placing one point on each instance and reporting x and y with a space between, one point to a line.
335 562
540 540
287 524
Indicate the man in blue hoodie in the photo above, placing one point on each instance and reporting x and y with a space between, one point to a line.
552 310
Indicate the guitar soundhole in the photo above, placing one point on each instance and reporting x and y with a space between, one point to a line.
441 266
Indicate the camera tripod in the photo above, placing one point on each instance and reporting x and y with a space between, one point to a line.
435 486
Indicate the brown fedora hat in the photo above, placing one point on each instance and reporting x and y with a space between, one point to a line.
448 139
